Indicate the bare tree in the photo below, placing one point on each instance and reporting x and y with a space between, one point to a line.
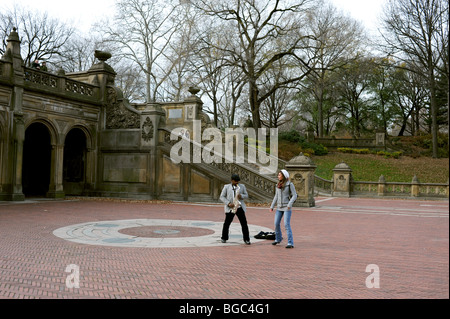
221 81
338 39
78 54
42 37
262 32
128 79
142 31
352 83
417 33
276 109
411 99
181 50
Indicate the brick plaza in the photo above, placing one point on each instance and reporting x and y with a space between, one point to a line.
334 243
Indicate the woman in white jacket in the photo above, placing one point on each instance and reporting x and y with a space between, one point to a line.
285 196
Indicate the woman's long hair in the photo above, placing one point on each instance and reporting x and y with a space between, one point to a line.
283 181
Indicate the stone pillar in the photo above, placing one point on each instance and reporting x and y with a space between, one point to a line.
380 140
447 192
193 106
342 175
381 186
89 183
310 135
15 155
151 117
14 67
12 54
56 173
301 172
415 186
102 74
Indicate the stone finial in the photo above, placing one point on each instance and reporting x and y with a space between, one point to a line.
12 52
13 36
301 160
342 166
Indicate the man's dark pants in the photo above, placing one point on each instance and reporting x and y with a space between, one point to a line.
242 219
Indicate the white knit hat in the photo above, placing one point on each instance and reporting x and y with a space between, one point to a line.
285 173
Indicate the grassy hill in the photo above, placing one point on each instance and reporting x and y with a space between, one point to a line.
368 167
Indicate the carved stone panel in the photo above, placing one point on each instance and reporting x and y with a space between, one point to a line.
172 176
299 183
117 115
147 129
341 184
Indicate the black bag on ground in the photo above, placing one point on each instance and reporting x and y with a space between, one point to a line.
265 235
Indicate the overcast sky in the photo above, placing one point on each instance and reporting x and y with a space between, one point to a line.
85 12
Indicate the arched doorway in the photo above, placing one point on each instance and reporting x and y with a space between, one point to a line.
36 161
74 164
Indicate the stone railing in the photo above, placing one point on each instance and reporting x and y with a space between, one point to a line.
262 187
60 85
343 184
397 189
379 141
322 186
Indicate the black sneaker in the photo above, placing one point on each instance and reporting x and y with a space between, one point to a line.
224 241
247 242
275 243
290 246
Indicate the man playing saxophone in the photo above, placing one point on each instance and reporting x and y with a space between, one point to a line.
232 196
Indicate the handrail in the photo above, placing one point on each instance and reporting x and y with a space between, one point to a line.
37 79
264 185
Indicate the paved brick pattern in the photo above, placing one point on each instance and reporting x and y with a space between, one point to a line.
334 243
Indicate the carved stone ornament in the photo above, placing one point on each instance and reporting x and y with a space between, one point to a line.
299 183
117 115
147 129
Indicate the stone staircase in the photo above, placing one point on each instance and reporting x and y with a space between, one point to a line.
259 183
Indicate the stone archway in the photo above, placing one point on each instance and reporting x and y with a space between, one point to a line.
36 164
74 162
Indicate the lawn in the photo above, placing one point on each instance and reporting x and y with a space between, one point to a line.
368 167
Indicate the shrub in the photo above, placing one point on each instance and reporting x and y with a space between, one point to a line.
318 149
294 136
353 150
389 154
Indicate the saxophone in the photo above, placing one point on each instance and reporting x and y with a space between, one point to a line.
236 201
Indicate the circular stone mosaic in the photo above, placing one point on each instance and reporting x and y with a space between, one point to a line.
154 233
166 231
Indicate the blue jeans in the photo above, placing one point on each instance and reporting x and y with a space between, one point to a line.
287 225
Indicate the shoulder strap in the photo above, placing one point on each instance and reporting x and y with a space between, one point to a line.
290 191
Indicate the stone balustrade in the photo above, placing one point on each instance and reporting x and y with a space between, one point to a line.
343 185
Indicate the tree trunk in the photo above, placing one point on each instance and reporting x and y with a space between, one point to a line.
254 105
433 106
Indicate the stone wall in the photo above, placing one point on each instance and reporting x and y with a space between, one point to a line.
75 134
